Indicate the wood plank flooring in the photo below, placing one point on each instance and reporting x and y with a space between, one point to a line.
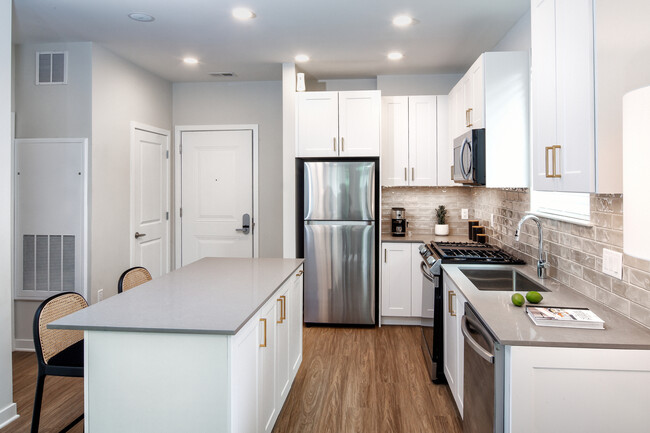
366 381
63 399
351 380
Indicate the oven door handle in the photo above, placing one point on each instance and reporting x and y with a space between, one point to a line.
425 272
485 354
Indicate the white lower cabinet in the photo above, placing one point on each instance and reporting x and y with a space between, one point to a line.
266 355
454 308
401 280
582 390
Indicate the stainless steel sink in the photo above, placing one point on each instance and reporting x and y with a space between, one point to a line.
501 280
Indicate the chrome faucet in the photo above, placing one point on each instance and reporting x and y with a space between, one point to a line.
542 262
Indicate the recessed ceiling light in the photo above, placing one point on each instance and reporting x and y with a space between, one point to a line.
402 21
243 14
190 60
141 17
395 55
301 58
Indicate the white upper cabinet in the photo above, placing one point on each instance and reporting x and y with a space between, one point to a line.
331 124
414 139
563 95
494 94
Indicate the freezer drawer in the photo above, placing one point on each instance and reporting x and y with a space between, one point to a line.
340 272
339 190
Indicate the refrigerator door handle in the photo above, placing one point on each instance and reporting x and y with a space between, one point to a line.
337 222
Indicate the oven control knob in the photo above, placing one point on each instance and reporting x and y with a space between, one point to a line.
431 260
422 249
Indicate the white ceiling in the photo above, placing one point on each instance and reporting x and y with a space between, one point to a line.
345 38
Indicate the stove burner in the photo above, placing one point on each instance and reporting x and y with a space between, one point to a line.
467 252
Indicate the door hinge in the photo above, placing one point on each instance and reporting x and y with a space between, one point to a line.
181 213
167 216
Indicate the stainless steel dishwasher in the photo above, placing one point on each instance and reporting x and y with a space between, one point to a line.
484 370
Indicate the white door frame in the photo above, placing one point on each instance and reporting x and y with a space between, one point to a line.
178 130
132 220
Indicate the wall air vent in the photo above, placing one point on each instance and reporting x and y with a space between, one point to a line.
52 67
223 74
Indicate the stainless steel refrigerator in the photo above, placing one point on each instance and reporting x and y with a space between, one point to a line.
339 242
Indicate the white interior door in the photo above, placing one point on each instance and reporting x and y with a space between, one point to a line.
150 201
216 194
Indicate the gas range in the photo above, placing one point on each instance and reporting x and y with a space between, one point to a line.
435 253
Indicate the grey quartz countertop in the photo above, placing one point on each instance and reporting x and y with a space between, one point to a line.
512 326
421 238
210 296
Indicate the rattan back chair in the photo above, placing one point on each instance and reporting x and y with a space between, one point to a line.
133 277
59 352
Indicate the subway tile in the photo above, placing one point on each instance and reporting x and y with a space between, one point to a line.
639 278
616 302
635 294
597 278
634 262
640 314
582 286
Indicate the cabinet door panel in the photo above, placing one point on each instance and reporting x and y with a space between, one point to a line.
395 141
477 113
317 124
294 316
282 367
544 90
267 375
245 347
450 337
575 94
445 140
416 282
396 280
423 158
359 123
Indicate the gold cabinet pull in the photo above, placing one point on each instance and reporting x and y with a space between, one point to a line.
281 319
342 144
300 272
385 252
450 296
413 173
406 175
556 149
283 311
468 115
334 144
546 150
264 344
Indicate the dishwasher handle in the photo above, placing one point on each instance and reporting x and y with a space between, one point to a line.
425 272
485 354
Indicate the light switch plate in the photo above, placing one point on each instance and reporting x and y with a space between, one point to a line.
464 214
613 263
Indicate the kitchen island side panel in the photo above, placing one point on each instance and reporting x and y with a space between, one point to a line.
156 382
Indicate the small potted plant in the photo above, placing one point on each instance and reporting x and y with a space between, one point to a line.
441 228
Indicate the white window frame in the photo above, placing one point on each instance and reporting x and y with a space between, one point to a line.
65 68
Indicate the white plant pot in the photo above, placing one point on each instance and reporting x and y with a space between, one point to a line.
441 229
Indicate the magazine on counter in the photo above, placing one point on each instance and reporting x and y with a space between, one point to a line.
566 317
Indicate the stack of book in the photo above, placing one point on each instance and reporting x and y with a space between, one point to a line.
565 317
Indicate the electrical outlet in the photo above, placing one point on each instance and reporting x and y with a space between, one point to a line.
464 214
613 263
100 295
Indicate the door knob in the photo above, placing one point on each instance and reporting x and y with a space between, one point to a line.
139 235
245 224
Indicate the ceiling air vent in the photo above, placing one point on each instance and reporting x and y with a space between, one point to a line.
223 74
51 67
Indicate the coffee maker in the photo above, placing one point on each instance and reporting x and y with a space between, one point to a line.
398 224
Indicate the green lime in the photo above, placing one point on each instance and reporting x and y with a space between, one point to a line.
534 297
518 299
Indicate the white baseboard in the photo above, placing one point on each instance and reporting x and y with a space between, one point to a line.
8 415
408 321
23 345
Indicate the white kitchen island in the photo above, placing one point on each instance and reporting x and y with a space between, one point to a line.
211 347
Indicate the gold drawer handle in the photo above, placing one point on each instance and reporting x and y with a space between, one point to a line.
264 344
450 296
300 272
283 311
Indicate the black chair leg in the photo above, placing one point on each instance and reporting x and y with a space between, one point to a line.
72 424
38 399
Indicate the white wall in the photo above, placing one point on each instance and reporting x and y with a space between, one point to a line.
404 85
49 111
288 160
121 92
250 102
7 406
353 84
517 38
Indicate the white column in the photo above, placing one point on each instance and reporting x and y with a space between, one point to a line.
288 160
7 406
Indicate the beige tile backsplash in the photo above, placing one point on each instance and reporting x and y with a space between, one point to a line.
574 252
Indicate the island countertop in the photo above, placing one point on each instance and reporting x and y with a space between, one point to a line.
210 296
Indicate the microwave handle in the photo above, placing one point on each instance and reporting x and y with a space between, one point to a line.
464 172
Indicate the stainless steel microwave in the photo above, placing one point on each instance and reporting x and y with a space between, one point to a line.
469 158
